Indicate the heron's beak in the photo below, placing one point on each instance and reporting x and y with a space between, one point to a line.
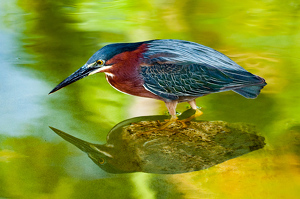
77 75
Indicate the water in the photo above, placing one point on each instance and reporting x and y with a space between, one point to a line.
43 42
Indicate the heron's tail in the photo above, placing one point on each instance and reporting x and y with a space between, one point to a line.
251 91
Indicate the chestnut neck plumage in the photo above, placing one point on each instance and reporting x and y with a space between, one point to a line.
124 74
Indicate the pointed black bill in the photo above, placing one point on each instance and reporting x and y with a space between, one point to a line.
81 144
77 75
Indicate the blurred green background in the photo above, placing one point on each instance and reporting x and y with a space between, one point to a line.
43 41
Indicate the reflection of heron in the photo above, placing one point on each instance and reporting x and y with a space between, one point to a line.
131 148
169 70
102 155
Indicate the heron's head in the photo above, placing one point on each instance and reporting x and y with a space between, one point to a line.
102 61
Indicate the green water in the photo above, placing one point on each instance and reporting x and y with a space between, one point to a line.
43 42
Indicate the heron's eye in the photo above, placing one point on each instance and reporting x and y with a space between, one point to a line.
99 62
101 161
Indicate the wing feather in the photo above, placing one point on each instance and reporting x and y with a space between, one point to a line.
176 68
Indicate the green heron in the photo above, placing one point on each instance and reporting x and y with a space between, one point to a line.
170 70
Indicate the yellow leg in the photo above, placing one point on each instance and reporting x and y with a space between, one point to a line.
172 110
175 119
197 114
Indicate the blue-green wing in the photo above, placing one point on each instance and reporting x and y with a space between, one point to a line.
172 81
175 68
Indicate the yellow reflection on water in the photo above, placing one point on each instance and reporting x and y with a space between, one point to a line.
264 176
8 155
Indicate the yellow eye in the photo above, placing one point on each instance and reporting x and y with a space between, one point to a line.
99 62
101 161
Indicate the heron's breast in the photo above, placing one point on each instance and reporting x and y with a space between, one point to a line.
130 85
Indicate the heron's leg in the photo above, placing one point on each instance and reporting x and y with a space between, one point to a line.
197 113
172 110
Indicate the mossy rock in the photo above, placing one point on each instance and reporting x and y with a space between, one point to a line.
199 145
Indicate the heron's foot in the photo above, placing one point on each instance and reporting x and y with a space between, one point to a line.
177 124
169 122
197 114
174 119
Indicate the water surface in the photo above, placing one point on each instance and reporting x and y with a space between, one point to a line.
43 42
